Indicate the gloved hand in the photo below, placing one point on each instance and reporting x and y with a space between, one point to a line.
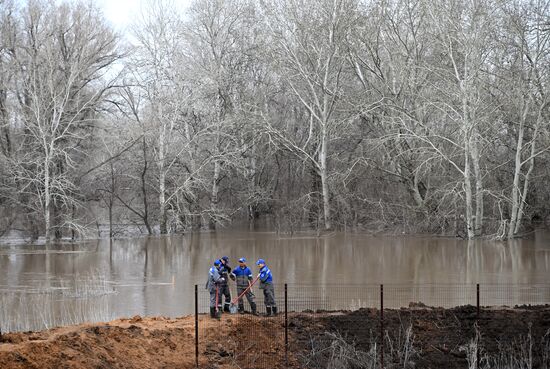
232 276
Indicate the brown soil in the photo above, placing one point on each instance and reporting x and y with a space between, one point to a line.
147 343
253 342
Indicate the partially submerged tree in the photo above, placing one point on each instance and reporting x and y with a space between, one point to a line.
62 57
311 53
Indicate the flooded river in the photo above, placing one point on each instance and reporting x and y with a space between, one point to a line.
99 280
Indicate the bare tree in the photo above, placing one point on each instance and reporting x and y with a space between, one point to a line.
310 47
63 57
527 83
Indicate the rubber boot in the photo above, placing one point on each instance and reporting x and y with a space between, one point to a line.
219 315
254 310
241 309
274 310
226 307
268 311
213 313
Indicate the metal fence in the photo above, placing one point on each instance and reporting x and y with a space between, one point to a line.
461 319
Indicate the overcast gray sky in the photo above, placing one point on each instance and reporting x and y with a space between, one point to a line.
121 12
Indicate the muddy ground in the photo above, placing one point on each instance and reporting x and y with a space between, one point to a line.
439 339
440 336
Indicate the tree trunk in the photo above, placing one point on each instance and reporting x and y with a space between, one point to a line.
111 219
516 184
414 188
479 188
215 190
469 198
73 216
162 174
324 178
523 196
144 190
467 176
47 220
5 140
251 181
111 200
516 195
162 191
196 219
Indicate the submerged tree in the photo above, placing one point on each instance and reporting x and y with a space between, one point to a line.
62 57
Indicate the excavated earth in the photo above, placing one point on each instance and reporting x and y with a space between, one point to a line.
438 335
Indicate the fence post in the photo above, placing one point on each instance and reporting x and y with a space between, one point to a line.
286 325
477 324
477 300
196 326
382 326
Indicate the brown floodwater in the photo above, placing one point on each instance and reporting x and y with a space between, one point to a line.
44 286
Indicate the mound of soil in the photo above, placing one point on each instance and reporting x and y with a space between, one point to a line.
149 343
439 336
124 343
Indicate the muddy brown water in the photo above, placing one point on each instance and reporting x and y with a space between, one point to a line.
45 286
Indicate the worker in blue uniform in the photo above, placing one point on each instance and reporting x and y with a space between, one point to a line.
225 271
243 277
213 286
266 284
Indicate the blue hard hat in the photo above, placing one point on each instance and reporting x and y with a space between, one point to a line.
242 260
217 262
260 261
226 258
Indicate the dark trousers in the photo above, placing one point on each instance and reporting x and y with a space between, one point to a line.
224 291
269 295
213 292
249 296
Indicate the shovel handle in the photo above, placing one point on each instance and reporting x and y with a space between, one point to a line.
246 290
216 298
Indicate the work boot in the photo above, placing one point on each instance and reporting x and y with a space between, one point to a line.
253 307
268 311
219 314
226 308
274 310
213 313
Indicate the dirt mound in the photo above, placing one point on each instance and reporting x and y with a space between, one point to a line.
124 343
247 342
149 343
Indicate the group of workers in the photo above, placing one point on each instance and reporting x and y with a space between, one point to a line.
218 286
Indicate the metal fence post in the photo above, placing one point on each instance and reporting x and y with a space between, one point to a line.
477 324
196 326
382 326
477 300
286 325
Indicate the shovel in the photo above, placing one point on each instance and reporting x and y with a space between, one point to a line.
217 309
233 308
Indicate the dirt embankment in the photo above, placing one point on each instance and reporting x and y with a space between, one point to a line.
439 336
148 343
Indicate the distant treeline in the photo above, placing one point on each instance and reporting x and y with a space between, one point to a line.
416 115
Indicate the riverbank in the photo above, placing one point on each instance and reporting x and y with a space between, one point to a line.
418 336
